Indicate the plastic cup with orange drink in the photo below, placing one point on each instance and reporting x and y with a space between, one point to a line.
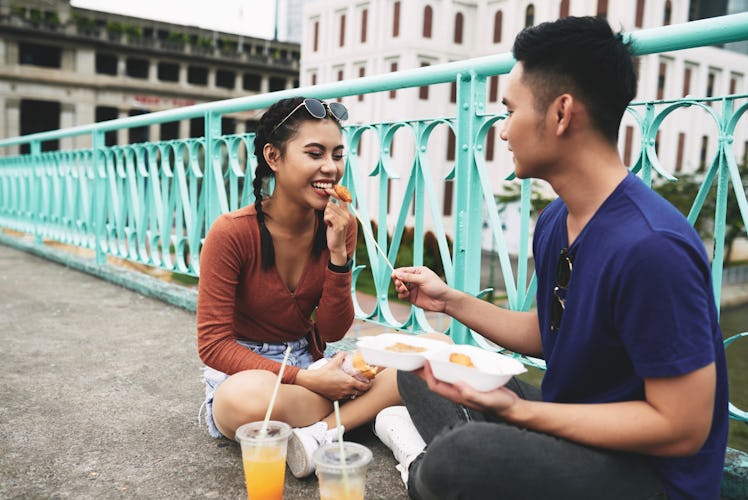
264 458
342 476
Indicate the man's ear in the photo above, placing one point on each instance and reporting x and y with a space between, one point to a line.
272 155
562 112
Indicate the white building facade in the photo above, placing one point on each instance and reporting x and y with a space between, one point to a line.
343 40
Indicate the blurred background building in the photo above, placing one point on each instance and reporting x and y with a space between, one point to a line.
62 66
343 40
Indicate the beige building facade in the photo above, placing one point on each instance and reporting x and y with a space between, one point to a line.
62 66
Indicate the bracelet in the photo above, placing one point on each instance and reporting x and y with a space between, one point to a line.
340 269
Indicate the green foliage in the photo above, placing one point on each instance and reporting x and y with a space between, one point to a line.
204 42
51 18
682 194
83 22
539 197
431 257
177 37
36 15
115 28
228 45
133 31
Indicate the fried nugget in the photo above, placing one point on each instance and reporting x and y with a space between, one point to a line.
461 359
343 193
401 347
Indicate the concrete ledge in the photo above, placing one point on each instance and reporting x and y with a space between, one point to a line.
141 283
735 475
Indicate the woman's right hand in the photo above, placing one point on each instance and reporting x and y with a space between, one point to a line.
421 287
331 381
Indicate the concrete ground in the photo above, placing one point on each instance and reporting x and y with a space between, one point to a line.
100 394
101 388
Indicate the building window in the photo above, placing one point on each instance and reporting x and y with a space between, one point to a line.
661 80
668 13
340 79
276 83
428 14
702 154
493 89
710 85
679 154
136 68
628 145
448 196
341 42
686 81
459 21
364 22
453 92
103 114
563 10
106 64
251 81
315 42
361 74
497 21
733 85
197 127
169 131
529 16
197 75
396 20
393 69
39 116
490 143
423 92
168 72
225 79
33 54
136 135
451 143
314 79
639 18
602 8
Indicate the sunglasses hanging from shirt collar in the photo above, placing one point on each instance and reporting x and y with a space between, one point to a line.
563 275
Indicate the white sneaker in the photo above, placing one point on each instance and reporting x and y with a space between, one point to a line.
303 442
395 428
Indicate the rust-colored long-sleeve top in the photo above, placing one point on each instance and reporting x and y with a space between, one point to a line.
237 299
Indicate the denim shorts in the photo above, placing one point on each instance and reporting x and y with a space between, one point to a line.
300 356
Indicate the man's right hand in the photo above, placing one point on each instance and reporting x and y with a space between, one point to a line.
421 287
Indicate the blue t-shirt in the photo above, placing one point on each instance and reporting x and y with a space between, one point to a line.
639 304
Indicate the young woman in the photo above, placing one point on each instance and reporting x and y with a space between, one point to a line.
278 274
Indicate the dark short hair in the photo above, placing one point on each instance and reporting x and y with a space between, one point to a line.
581 56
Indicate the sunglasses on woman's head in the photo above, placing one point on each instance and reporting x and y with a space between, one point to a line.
318 109
563 275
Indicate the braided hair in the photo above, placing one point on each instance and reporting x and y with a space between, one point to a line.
267 134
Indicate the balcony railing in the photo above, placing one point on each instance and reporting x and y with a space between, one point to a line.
152 203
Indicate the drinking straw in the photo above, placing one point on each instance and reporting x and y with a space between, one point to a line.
336 406
264 427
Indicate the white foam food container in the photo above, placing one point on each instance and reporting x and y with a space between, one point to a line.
492 370
375 350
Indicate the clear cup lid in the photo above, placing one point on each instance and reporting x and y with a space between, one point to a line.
329 456
275 430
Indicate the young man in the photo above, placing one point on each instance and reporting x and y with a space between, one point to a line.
634 400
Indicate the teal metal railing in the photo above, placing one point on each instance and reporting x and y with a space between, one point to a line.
152 203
